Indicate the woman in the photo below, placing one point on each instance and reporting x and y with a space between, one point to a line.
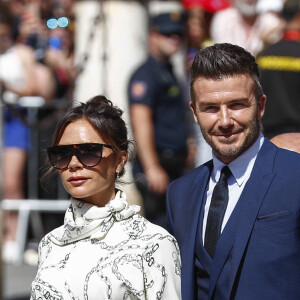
105 249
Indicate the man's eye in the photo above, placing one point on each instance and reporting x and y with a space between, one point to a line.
237 105
211 108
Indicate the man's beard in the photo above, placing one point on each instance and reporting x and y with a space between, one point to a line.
234 152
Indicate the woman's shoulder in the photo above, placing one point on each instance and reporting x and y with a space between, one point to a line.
47 239
143 229
153 228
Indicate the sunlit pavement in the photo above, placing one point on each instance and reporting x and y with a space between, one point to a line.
16 281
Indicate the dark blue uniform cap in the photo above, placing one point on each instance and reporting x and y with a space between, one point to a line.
169 23
290 9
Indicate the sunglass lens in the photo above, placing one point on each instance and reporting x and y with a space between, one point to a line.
59 157
90 154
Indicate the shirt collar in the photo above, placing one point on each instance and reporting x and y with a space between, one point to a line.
242 166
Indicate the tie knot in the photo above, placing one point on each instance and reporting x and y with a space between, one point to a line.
225 172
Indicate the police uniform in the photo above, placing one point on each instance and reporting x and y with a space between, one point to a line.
153 84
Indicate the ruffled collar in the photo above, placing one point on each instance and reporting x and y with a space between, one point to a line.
83 220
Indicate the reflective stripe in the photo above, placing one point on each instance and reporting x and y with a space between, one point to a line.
279 63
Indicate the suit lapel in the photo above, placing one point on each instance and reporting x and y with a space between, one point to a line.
192 215
197 196
194 206
250 202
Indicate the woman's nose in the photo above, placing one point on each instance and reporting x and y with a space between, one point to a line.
74 162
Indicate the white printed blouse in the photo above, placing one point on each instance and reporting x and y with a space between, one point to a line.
107 252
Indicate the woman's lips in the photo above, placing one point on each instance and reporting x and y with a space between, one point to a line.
77 181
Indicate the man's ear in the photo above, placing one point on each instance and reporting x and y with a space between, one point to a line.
261 106
192 106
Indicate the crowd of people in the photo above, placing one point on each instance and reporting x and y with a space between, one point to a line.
37 59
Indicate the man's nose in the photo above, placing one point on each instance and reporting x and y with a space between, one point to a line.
225 117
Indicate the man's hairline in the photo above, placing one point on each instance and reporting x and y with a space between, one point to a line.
221 78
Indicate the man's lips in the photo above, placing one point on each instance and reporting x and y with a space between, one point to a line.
226 136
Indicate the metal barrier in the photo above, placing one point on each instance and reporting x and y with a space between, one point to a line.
25 207
29 209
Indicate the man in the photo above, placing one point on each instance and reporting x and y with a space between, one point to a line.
249 248
280 76
157 116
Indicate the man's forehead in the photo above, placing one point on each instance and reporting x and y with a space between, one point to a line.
238 82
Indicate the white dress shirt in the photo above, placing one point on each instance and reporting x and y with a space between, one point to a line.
241 169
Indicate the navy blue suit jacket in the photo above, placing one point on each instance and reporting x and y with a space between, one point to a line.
265 251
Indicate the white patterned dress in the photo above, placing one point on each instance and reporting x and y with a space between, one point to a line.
107 252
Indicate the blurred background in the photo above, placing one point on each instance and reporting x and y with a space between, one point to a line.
56 52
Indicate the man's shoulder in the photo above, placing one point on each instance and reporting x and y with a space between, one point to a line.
145 67
280 160
191 177
288 159
142 82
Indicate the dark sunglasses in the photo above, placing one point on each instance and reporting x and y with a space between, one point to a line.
89 154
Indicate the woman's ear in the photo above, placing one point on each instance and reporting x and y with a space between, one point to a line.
122 158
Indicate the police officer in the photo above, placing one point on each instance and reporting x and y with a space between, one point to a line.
157 113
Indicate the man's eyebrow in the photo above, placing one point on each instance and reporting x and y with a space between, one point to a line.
238 100
208 103
205 103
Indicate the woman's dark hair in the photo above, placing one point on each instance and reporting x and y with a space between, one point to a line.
104 117
225 60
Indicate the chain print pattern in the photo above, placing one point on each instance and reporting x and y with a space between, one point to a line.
134 260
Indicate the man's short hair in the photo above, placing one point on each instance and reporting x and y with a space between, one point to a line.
222 61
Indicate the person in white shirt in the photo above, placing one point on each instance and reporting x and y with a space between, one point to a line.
243 25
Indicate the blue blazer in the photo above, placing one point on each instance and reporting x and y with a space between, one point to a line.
265 251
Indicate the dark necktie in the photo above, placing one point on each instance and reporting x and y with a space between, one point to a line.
219 201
